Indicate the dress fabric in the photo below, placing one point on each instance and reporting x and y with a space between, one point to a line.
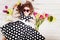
18 30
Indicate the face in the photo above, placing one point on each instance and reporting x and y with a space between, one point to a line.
26 11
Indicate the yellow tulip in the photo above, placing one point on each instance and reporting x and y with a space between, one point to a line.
18 2
37 16
10 11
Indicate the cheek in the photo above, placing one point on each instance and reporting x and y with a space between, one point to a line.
29 11
26 13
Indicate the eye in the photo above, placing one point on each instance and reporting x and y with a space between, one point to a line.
24 10
27 10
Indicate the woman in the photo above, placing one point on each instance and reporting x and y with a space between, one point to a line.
26 13
20 30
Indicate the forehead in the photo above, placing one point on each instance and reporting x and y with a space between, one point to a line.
26 8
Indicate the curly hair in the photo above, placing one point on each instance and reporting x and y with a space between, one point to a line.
27 4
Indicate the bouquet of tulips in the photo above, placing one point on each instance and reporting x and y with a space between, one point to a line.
40 19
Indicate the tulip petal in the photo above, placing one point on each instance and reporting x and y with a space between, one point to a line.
6 7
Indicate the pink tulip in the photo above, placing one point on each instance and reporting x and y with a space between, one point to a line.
6 7
41 17
5 11
35 13
46 15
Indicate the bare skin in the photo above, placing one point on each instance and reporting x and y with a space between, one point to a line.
3 38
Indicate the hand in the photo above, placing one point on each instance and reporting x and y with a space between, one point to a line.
3 38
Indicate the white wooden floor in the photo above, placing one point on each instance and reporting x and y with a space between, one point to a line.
51 31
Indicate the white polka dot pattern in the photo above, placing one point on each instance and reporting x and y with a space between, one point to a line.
20 31
26 18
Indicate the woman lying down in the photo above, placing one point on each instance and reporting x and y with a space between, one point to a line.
23 28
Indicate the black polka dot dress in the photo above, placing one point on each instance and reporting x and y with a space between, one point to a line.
26 18
20 31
